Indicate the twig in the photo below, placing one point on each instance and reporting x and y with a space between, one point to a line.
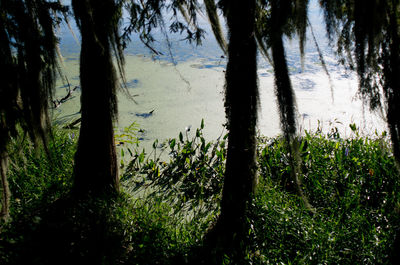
72 124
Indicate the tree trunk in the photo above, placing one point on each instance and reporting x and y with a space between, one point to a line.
392 91
286 98
392 96
8 92
5 190
96 167
286 102
241 105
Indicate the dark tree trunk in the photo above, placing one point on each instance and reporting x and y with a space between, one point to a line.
96 167
286 101
392 96
392 86
8 94
283 88
5 190
285 95
241 104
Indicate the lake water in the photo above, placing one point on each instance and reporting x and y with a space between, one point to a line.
182 89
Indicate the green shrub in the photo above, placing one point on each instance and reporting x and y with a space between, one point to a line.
353 185
191 182
40 177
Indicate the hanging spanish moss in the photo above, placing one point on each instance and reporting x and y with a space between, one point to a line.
300 13
29 68
367 33
215 24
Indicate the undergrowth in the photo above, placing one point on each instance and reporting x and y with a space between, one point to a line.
167 205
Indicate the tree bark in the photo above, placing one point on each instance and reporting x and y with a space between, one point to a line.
96 169
392 96
286 98
286 102
241 105
392 87
5 190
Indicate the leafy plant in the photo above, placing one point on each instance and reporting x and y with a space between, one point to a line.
127 140
190 181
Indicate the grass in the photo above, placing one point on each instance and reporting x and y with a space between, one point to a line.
353 185
166 206
37 178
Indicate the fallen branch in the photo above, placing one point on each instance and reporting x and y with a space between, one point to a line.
57 102
72 124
